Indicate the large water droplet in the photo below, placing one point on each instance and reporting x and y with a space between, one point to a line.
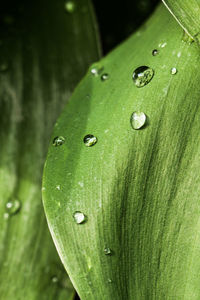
107 251
90 140
70 6
174 71
138 119
142 76
155 52
79 217
104 77
13 206
58 141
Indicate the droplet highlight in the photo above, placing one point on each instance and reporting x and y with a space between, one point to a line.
90 140
58 141
70 6
104 77
174 71
142 76
13 207
107 251
155 52
79 217
138 120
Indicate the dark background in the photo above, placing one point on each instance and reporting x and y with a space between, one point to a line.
118 19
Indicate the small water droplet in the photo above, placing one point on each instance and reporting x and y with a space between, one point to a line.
107 251
58 187
96 70
162 45
155 52
54 279
6 216
174 71
138 120
3 67
79 217
142 76
109 280
58 141
70 6
13 206
90 140
104 77
81 184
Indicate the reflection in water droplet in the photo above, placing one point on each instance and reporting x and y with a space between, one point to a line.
142 76
13 206
138 120
79 217
107 251
70 6
90 140
104 77
58 141
174 71
155 52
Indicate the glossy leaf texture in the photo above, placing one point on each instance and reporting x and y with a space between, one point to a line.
187 13
125 219
44 51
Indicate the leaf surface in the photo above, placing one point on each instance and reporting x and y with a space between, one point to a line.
187 13
44 52
138 189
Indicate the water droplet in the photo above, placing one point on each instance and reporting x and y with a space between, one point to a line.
104 77
79 217
162 45
58 141
96 70
107 251
3 67
90 140
81 184
142 76
6 216
109 280
155 52
70 6
138 119
13 206
54 279
58 187
174 71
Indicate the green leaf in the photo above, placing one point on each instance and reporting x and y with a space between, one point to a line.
138 189
43 54
187 13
